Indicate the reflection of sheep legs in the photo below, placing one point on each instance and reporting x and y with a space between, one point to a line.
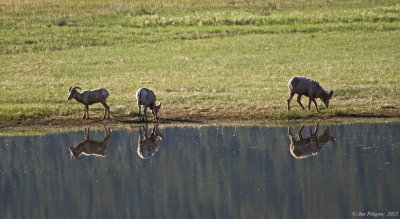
106 133
299 133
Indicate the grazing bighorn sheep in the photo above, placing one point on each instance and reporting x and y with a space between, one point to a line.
147 98
89 147
305 147
310 88
147 144
89 97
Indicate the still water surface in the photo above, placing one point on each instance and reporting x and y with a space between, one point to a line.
203 172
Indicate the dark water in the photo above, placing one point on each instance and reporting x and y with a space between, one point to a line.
206 172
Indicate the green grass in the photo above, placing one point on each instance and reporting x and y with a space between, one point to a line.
201 58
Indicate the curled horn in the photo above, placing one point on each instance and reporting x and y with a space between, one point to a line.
76 88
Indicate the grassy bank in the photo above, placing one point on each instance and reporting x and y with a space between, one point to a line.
205 61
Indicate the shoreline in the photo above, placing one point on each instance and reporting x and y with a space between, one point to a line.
70 122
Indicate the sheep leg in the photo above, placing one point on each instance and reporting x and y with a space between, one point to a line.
145 131
105 113
309 103
289 99
140 115
289 132
84 112
299 133
106 133
86 134
106 109
299 100
87 111
315 102
154 114
316 129
141 133
145 114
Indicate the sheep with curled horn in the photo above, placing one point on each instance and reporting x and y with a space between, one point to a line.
89 97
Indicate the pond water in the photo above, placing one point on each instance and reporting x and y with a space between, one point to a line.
203 172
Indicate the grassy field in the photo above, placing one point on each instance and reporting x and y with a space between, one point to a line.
229 60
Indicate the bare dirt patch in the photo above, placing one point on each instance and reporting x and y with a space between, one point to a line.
204 116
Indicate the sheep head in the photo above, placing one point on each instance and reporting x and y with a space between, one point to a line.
327 98
72 92
156 109
75 153
156 132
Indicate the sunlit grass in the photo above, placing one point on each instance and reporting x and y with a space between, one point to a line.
201 58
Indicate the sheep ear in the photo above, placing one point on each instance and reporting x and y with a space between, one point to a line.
70 88
330 94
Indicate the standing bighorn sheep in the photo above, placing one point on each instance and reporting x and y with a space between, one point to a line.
89 97
305 147
147 98
310 88
90 147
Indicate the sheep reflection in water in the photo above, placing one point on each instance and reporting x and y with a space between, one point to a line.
305 147
147 144
90 147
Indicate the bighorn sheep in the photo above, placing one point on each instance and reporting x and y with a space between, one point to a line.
89 147
147 98
89 97
147 144
305 147
310 88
